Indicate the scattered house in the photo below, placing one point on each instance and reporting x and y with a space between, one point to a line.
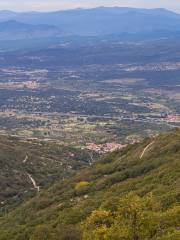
103 148
173 118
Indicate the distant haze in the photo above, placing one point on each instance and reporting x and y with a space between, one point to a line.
51 5
100 21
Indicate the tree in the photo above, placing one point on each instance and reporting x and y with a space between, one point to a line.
43 232
137 218
97 225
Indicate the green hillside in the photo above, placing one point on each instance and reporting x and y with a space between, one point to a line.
132 194
45 162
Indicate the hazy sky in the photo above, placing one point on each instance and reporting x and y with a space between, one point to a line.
49 5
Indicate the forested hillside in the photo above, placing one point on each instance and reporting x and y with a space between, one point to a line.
131 194
29 165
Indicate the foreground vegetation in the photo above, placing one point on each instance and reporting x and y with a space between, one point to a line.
132 194
45 161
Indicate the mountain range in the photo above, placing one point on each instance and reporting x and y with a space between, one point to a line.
87 22
13 30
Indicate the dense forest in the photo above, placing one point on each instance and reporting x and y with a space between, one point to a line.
131 194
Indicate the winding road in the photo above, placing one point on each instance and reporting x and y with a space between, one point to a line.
146 148
33 182
25 160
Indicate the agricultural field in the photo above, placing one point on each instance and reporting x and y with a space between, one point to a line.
81 90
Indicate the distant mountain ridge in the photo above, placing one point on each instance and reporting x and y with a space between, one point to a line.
101 21
14 30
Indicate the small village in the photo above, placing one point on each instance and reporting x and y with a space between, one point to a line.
104 148
173 118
